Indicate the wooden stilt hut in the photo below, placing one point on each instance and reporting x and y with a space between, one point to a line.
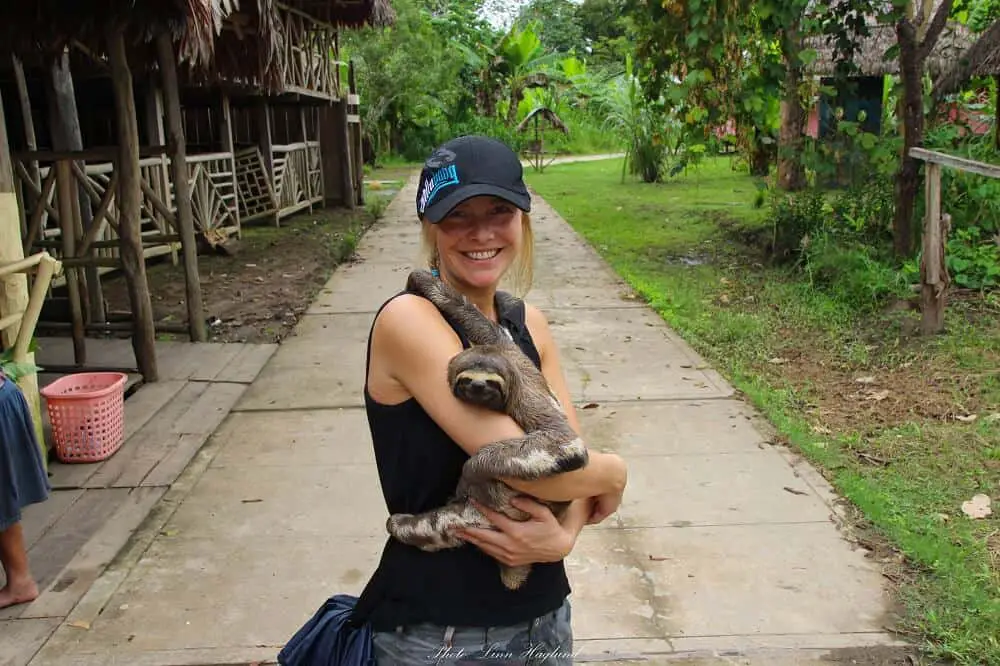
125 35
169 122
862 89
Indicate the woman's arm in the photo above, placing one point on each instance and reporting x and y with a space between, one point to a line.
416 344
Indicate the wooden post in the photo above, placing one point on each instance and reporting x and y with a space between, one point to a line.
307 184
359 159
67 225
344 150
26 115
182 189
226 133
996 119
264 140
330 140
933 274
14 288
64 125
129 198
156 136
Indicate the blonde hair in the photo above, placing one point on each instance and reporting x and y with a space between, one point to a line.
521 272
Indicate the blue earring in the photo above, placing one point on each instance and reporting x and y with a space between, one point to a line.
435 272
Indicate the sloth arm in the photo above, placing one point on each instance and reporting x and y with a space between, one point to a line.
412 345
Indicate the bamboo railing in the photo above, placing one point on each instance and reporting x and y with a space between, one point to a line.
46 267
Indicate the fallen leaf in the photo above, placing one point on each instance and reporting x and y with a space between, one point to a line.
867 379
794 491
590 405
969 418
977 507
655 558
777 360
79 624
251 501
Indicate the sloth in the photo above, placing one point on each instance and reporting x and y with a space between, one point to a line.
493 373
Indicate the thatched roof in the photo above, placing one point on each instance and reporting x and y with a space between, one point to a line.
239 41
870 61
37 30
349 13
546 113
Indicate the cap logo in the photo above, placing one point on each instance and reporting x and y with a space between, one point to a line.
442 178
440 157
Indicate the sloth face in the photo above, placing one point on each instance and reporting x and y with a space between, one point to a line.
481 386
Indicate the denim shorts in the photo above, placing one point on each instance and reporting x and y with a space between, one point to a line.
544 641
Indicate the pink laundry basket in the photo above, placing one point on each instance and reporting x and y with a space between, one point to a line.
87 412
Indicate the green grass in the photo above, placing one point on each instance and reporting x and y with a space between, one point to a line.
906 463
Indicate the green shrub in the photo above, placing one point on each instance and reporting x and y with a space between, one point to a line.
851 272
973 259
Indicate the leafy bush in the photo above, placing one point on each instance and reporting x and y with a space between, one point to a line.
973 260
851 271
793 217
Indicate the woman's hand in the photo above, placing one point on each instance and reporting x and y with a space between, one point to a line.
603 506
541 538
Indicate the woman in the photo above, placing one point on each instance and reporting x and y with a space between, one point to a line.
23 481
449 606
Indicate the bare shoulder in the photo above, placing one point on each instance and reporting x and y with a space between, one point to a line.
408 325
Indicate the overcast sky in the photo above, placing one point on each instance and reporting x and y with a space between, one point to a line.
500 13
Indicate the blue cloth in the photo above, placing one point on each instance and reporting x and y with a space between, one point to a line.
23 480
329 639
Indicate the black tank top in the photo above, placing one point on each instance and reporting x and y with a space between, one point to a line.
419 466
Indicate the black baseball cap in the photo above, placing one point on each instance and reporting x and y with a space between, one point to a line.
466 167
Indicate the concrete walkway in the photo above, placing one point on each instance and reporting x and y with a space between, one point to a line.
725 549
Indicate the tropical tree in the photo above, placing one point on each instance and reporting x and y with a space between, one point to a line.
643 125
514 63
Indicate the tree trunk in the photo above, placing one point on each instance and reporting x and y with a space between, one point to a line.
791 173
516 95
908 176
760 164
129 199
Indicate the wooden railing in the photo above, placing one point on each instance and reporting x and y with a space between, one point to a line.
94 224
298 178
934 277
309 52
213 193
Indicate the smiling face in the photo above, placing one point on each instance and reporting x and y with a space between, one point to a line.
478 241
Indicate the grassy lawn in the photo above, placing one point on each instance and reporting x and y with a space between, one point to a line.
906 427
